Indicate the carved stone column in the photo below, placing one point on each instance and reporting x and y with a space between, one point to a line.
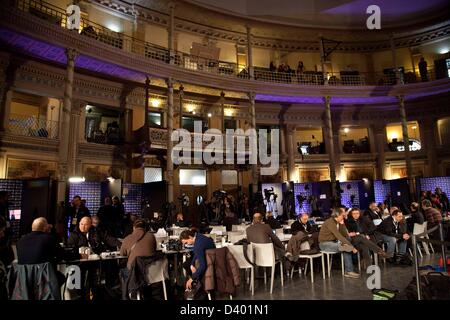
128 117
291 174
250 53
378 146
66 114
4 87
169 167
330 143
77 106
255 176
171 32
428 134
401 104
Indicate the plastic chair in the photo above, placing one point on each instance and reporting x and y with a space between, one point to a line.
279 231
329 255
311 257
264 256
238 253
158 272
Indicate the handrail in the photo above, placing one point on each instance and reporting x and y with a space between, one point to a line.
187 61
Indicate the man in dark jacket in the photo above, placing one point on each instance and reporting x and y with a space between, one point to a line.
260 232
414 215
433 217
363 235
443 199
373 212
76 212
394 231
201 243
88 236
302 224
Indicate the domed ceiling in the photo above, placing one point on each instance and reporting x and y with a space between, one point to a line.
342 14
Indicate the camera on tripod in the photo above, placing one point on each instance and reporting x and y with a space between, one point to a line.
268 193
219 194
184 199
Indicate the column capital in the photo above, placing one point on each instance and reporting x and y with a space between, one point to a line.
327 99
171 5
169 83
401 98
290 129
251 97
71 54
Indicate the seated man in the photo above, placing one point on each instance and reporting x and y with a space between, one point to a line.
333 237
200 243
259 232
302 224
363 235
373 212
138 244
39 246
433 217
272 222
394 231
88 236
181 222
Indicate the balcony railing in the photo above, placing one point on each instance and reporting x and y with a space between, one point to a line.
33 127
187 61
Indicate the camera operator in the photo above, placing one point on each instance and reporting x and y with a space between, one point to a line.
230 217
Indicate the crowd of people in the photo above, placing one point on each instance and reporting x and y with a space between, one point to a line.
379 230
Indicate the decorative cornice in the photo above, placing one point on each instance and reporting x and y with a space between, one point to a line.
358 44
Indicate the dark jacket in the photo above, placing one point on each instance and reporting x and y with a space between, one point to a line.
202 243
38 247
262 233
33 282
297 226
98 241
433 217
363 225
274 223
137 278
387 228
414 217
373 215
222 271
76 215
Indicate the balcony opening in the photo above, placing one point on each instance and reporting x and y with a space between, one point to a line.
155 119
34 116
104 125
444 131
188 123
310 141
354 140
395 137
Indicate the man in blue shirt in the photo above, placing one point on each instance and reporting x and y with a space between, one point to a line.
201 243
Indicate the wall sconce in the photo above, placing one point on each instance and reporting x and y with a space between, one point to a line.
190 108
209 115
346 130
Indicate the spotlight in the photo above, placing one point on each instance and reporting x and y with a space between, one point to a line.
209 115
346 130
76 179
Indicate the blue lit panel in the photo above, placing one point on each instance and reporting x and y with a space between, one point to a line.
91 191
350 194
381 190
299 189
430 184
132 195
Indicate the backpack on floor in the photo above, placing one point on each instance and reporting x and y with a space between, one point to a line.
433 286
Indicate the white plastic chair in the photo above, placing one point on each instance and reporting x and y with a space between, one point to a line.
311 257
279 231
158 271
219 230
238 253
418 229
264 256
329 255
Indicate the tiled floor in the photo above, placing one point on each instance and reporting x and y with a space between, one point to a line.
335 288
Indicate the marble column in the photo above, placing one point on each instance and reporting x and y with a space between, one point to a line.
378 147
128 115
250 53
330 143
4 90
291 174
169 166
222 108
428 137
254 164
65 165
171 33
394 59
401 103
75 113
